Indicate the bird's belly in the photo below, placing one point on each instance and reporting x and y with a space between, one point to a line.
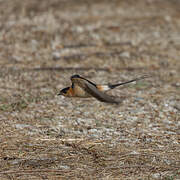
81 92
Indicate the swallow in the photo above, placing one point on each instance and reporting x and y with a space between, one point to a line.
83 88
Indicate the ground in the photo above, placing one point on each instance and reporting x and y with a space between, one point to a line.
45 136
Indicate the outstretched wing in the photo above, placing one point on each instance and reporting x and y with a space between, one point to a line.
93 91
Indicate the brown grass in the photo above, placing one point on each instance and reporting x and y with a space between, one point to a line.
43 136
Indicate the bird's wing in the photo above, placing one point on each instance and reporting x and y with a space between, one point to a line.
93 91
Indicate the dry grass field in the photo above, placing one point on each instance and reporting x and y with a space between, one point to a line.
45 136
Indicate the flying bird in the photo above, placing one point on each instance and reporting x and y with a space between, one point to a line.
83 88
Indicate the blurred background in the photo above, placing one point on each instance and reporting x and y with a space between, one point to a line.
43 43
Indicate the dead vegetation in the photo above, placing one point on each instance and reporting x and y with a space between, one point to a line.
43 43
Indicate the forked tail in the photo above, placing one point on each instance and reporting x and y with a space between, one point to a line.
112 86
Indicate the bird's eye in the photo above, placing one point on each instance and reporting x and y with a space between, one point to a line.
65 90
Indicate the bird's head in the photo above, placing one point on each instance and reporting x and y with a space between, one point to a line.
64 92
